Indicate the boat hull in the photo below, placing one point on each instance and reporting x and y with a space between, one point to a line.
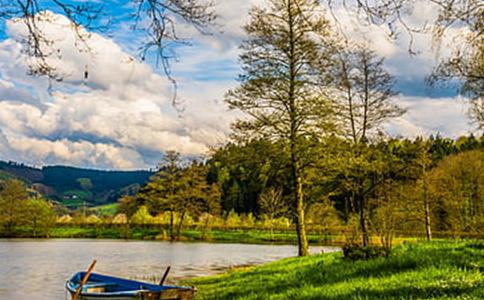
100 287
168 295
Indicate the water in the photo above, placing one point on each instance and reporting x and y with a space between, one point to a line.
38 269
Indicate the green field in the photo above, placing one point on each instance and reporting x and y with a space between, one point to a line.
437 270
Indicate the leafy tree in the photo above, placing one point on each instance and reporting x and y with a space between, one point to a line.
85 183
283 61
142 216
458 181
13 198
324 214
243 171
160 193
39 216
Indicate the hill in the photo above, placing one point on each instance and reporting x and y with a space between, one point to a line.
72 186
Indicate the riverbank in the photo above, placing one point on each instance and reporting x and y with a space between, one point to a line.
437 270
243 236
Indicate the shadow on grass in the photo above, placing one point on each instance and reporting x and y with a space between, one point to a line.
316 273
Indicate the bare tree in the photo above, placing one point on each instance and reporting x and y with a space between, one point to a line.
158 19
273 205
365 93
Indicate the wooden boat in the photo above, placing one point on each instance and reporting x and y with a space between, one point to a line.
100 287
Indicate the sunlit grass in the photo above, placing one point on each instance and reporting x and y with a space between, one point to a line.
438 270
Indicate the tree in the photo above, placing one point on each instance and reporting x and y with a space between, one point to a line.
85 184
157 19
365 92
273 205
160 193
39 216
284 61
466 63
180 191
458 182
13 198
196 195
244 170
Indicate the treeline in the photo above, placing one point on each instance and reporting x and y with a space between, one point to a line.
360 190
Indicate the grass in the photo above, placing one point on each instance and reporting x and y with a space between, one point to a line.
223 236
245 236
437 270
105 210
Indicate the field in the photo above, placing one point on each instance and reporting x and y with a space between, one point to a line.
437 270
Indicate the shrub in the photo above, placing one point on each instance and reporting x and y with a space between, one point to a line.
356 252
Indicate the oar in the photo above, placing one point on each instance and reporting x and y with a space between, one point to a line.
165 275
84 280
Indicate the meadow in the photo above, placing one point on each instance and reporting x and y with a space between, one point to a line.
430 270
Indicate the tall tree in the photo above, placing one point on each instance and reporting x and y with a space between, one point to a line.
160 193
13 198
365 92
284 61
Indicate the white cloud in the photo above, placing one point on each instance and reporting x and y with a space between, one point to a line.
122 110
122 117
426 116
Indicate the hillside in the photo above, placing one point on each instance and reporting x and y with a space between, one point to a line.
75 186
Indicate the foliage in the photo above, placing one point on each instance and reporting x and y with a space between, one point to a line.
18 208
357 252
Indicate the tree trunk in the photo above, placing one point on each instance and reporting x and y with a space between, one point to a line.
205 227
303 248
363 226
180 224
428 230
172 233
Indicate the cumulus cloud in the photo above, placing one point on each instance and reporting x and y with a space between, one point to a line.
122 117
122 110
426 116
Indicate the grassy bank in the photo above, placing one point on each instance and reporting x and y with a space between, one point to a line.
251 236
438 270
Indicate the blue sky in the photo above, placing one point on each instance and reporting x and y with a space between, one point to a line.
122 116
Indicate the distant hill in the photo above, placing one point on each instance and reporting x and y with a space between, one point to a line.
75 186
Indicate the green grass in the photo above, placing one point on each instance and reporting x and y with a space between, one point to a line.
105 210
250 236
438 270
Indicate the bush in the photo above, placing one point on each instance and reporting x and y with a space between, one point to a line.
357 252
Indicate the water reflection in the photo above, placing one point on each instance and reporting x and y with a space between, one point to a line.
38 269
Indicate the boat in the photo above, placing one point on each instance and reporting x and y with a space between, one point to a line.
92 286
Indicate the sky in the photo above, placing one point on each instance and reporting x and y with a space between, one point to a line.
122 116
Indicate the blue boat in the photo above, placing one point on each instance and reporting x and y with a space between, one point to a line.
99 287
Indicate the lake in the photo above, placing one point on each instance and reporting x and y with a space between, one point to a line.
38 269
